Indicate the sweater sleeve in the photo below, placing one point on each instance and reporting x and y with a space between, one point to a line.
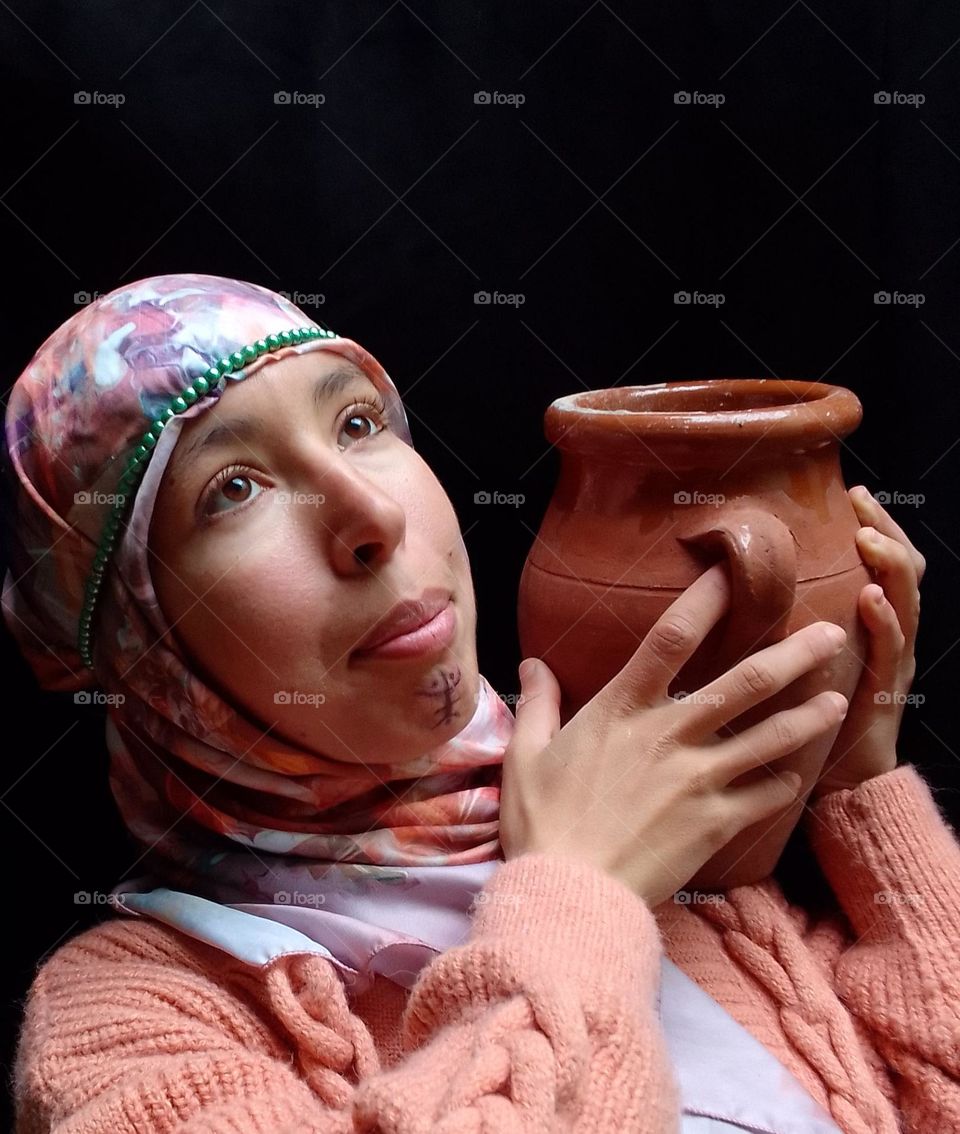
894 865
543 1019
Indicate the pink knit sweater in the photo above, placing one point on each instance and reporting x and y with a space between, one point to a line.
543 1020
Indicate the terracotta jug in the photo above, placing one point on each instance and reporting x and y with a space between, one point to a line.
657 483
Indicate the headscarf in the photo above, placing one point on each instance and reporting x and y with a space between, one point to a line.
393 853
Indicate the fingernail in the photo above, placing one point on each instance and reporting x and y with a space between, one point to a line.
840 701
528 667
871 535
837 634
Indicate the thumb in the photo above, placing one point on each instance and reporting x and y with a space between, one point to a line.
538 710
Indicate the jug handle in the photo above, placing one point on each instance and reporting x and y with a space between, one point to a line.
762 560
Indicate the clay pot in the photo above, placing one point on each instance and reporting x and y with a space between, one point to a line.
657 483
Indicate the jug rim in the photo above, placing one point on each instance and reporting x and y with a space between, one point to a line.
783 410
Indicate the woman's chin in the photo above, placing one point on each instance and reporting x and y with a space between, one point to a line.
448 689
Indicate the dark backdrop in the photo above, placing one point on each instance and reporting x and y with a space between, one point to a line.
814 162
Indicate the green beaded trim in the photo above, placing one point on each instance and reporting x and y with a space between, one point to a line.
230 367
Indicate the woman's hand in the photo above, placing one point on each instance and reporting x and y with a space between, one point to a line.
642 784
866 744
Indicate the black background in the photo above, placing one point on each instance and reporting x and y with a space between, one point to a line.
399 197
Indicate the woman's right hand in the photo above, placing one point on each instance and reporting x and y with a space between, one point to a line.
639 783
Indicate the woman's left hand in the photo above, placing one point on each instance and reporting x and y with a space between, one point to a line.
866 744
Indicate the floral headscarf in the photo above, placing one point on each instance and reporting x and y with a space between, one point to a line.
182 756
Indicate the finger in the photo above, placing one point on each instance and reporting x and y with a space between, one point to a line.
538 709
871 512
887 645
762 799
670 642
758 677
778 735
891 563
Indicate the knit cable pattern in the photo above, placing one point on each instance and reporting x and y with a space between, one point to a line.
334 1047
761 941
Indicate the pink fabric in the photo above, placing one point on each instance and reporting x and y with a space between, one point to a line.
391 932
544 1019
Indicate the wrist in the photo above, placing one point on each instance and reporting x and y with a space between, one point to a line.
853 774
827 787
821 791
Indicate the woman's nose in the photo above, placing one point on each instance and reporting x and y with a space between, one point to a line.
361 522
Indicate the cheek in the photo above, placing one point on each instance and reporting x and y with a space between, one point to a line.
253 614
430 515
268 605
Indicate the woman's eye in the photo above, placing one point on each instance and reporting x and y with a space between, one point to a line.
375 419
230 487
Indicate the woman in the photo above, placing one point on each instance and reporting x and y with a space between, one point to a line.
323 935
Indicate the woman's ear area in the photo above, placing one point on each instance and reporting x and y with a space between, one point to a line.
173 506
161 518
165 537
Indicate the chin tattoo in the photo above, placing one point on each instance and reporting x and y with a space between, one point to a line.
443 686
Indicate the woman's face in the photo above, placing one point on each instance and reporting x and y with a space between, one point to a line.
278 544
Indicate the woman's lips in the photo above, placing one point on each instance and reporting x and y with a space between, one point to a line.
432 637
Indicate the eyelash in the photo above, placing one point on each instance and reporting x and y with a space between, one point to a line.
243 470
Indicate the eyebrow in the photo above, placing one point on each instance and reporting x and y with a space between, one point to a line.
326 387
